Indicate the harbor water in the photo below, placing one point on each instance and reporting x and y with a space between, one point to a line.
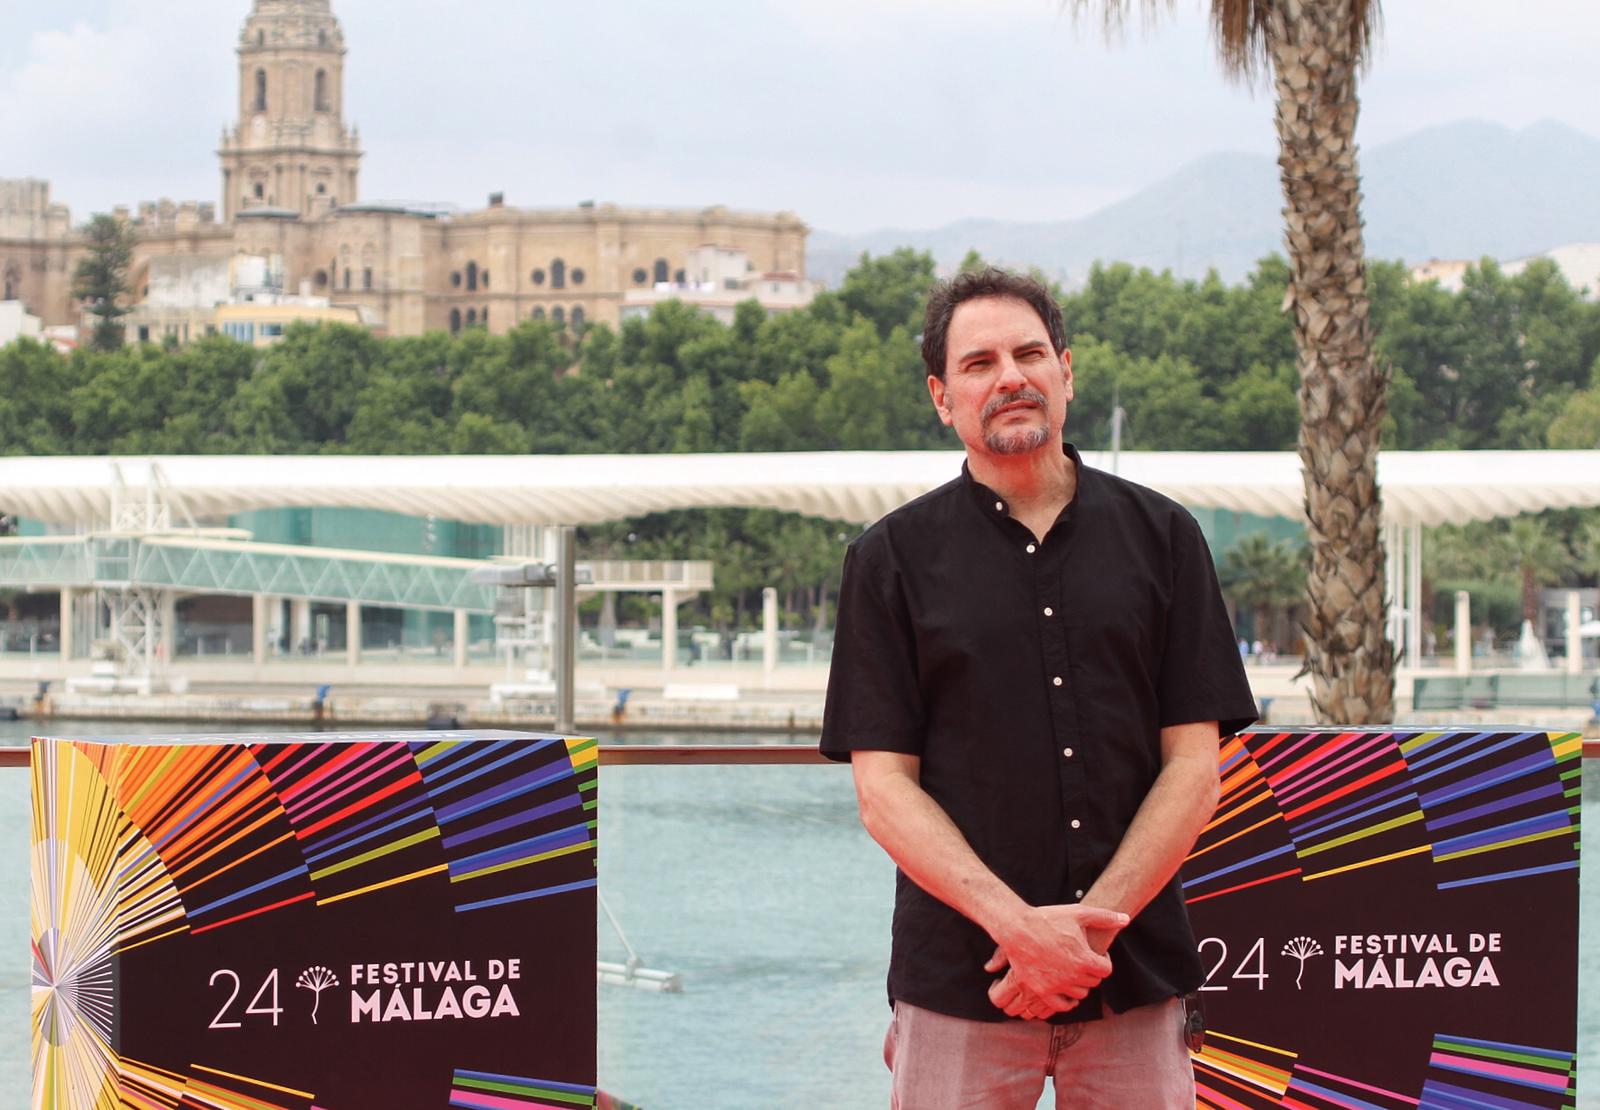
758 886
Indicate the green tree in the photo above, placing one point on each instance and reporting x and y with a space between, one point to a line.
1262 576
36 415
874 400
1577 426
1540 556
781 417
890 290
303 393
100 279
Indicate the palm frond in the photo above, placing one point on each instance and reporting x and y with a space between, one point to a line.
1114 14
1240 28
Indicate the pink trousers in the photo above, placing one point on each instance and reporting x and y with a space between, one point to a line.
1132 1061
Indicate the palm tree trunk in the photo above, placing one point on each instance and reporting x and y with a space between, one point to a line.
1342 392
1530 596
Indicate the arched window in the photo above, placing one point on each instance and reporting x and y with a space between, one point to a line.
10 287
261 90
455 278
472 317
366 278
261 38
322 38
322 188
538 313
472 276
537 277
577 275
322 90
661 270
484 277
558 274
260 190
455 320
678 277
322 279
485 316
577 316
558 314
640 276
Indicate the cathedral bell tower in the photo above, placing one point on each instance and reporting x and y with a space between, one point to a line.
290 147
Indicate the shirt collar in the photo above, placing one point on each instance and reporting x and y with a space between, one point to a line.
997 507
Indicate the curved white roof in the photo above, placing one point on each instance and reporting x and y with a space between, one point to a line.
1419 487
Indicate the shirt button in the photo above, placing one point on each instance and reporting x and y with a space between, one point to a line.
1067 752
1077 894
1056 681
1075 824
999 506
1049 612
1031 549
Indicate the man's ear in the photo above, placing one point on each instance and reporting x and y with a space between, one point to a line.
936 391
1066 372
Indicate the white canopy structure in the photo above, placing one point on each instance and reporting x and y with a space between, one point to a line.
525 493
1420 488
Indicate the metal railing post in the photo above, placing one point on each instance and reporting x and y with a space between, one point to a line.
566 644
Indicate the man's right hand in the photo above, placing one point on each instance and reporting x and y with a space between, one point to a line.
1051 955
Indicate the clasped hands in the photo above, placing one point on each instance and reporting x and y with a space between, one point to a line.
1052 958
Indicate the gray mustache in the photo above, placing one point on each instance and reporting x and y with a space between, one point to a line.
997 403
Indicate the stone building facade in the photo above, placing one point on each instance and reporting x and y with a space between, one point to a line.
291 190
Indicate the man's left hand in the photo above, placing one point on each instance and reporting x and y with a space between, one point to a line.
1016 1000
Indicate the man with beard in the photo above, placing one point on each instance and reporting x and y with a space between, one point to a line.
1031 671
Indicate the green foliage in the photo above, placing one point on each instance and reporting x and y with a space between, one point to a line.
101 277
889 291
1511 361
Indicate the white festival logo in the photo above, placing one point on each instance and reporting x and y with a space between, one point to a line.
316 980
1302 949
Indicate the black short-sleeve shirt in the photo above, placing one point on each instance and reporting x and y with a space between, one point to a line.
1033 680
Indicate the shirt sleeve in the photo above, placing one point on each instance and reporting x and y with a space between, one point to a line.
874 700
1202 677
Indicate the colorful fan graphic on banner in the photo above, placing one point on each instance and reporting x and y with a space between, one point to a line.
241 924
1388 919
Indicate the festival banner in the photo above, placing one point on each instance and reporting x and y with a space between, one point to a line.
1388 919
317 922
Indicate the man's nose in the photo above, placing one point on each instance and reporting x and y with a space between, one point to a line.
1011 377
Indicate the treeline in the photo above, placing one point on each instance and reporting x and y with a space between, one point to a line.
1509 362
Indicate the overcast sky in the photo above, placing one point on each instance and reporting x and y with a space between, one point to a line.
857 114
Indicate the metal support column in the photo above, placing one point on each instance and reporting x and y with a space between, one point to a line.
1414 614
669 630
1574 641
352 631
1463 632
463 631
566 630
69 622
769 634
258 629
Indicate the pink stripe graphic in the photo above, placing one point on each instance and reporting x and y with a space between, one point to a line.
378 770
1375 749
1353 1083
477 1100
1505 1071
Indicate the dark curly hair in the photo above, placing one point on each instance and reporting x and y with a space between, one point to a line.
946 296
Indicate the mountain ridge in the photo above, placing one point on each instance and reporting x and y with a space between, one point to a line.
1456 190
